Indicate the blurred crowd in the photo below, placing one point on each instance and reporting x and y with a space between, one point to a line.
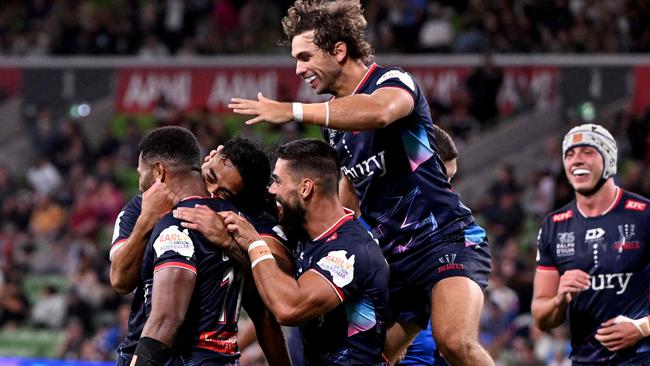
154 28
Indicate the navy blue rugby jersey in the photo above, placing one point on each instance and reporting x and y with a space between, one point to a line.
125 222
397 172
211 319
264 223
614 249
123 227
353 333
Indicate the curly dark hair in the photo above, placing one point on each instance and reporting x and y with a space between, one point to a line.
332 22
254 167
175 145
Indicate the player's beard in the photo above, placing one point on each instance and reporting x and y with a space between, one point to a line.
292 219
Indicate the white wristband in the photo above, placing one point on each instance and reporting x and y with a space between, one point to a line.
257 244
327 114
642 324
262 258
297 112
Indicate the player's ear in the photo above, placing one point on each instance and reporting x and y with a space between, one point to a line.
159 170
306 188
340 51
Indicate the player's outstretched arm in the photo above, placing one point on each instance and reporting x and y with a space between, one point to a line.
126 260
552 294
171 295
353 113
292 302
269 333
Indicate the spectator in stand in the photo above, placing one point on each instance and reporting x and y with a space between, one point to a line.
483 85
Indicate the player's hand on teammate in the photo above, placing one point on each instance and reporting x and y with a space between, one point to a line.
571 283
212 153
157 200
206 221
264 109
616 335
242 230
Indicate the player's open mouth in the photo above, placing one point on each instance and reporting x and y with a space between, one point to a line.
308 80
580 172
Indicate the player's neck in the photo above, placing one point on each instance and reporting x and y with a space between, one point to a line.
600 202
322 215
351 76
188 185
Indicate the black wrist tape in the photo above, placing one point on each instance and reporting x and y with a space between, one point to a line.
150 352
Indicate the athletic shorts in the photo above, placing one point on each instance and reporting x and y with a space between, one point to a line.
414 273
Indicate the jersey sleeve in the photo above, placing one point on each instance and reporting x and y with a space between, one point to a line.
173 246
342 268
397 78
124 224
545 258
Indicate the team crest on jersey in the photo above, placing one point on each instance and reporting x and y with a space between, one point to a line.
172 238
332 135
401 75
626 236
566 244
635 205
563 216
339 266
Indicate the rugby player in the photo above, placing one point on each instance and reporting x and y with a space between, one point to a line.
240 166
340 291
380 124
593 261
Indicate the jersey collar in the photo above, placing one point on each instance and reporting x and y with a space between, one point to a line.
349 215
617 199
371 69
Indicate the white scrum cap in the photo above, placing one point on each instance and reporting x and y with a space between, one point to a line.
597 137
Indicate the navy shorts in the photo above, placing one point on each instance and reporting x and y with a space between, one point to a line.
414 273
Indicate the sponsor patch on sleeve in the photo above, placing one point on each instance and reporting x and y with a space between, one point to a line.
279 232
635 205
405 78
339 266
172 238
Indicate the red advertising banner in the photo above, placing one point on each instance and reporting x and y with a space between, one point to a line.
641 89
188 89
10 80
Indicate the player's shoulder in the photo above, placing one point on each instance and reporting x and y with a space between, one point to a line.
631 201
352 236
134 205
391 76
565 213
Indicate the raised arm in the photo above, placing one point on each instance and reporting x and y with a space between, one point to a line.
352 113
126 255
